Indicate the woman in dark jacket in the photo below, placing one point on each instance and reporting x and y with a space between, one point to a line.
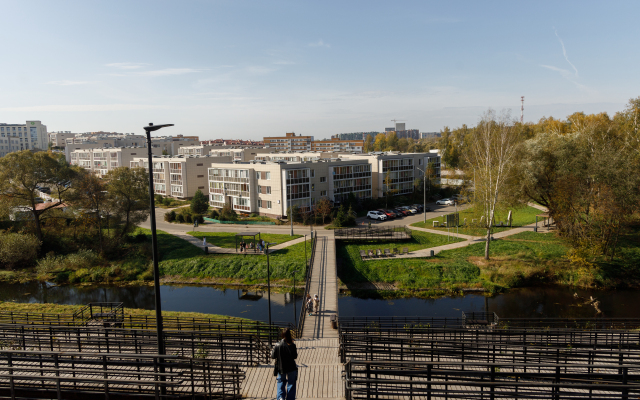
286 370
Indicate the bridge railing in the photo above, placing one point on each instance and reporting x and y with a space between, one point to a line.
307 285
373 233
45 374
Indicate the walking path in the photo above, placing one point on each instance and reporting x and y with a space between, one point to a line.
319 367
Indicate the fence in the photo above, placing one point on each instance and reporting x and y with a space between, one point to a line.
303 310
104 313
474 380
44 374
374 233
226 346
217 221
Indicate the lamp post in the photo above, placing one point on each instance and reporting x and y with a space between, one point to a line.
154 240
154 247
305 250
266 250
291 218
424 188
295 316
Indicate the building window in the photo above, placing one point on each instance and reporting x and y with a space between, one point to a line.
268 175
323 193
268 189
200 176
323 179
257 175
313 173
313 187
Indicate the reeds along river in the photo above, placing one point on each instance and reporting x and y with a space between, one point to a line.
526 302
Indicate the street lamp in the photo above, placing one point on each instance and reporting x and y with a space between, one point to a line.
154 240
424 188
295 317
266 250
305 250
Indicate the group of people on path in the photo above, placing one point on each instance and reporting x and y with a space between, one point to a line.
313 303
244 246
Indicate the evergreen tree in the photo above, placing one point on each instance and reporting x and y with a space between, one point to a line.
199 203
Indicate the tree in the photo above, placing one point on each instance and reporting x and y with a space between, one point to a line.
380 143
128 190
368 144
90 195
392 141
492 157
324 208
22 172
199 203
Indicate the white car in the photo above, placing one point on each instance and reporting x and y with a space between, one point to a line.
446 202
377 215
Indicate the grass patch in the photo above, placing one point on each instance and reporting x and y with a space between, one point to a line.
228 239
419 241
50 308
522 216
180 258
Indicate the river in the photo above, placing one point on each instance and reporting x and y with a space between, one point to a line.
525 302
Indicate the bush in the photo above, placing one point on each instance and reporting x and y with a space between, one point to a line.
72 262
170 216
167 201
214 214
18 249
188 218
179 218
228 214
199 218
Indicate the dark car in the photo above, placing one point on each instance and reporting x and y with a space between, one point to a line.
387 213
427 209
401 212
418 207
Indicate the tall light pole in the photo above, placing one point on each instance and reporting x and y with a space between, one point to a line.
154 248
291 218
266 250
154 240
295 316
424 188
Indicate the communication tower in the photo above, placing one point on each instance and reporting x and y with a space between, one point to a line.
522 109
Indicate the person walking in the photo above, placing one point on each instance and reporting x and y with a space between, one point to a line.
316 303
309 305
285 369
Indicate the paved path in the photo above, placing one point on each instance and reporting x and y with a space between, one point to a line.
319 367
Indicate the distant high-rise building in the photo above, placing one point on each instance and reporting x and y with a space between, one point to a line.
400 126
29 136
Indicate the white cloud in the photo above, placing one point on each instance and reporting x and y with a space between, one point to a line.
564 52
68 83
127 65
562 71
320 43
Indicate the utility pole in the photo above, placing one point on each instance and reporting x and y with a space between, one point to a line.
522 109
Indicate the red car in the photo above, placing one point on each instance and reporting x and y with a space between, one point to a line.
388 213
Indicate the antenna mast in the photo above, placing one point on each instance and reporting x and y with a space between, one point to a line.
522 109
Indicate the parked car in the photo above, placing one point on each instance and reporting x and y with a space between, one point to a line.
427 209
45 189
412 209
39 200
388 213
376 215
393 214
402 211
446 202
418 207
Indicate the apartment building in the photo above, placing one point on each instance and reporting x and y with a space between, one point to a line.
179 176
335 144
169 145
270 188
101 161
396 172
29 136
237 154
289 142
59 139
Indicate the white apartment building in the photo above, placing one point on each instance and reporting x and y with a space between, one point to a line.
101 161
179 176
237 154
29 136
59 139
270 188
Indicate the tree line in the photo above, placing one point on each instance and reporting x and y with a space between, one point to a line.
583 169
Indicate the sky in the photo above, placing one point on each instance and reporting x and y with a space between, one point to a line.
248 69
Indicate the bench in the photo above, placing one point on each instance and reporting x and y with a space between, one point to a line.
363 255
334 321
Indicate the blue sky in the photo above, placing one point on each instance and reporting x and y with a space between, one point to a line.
241 69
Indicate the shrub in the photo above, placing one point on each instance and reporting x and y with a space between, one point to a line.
214 214
18 249
199 218
180 218
188 218
82 259
167 201
170 216
228 214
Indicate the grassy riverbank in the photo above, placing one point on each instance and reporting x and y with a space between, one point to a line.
49 308
521 216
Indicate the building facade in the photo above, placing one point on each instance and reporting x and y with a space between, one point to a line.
101 161
289 142
29 136
335 144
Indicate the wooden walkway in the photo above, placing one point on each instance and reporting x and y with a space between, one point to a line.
319 367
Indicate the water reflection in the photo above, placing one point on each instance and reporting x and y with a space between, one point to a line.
527 302
204 299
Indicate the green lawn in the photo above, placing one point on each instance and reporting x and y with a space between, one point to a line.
228 239
521 217
516 260
180 258
420 240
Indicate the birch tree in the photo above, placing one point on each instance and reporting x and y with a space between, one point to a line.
492 157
